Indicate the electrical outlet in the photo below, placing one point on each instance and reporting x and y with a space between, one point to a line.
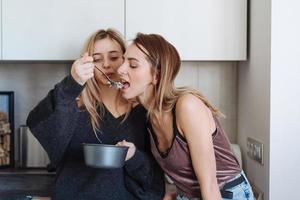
255 150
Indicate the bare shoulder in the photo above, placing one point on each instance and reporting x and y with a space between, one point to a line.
190 103
191 110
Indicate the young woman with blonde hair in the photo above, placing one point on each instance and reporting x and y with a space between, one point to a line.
186 137
83 108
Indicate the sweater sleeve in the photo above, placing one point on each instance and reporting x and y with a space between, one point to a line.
145 177
53 120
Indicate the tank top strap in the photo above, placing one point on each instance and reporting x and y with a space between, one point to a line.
175 128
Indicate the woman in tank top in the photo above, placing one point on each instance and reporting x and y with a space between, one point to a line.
186 137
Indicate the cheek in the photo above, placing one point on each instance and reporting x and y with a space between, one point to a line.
140 76
116 64
141 81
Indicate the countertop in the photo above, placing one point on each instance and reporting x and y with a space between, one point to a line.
16 184
13 171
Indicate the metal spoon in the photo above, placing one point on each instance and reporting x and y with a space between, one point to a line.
115 84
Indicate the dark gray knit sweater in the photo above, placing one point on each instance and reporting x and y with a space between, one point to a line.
61 128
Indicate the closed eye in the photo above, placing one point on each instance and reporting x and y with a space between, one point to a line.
133 66
114 58
98 60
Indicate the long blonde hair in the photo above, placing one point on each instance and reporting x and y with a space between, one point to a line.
165 61
90 98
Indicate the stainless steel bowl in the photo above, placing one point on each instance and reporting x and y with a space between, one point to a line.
104 155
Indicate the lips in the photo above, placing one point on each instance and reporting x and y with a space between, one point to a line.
110 74
126 84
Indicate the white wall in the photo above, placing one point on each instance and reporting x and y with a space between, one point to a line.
254 91
285 101
268 97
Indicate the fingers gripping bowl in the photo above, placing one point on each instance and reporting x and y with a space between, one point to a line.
104 155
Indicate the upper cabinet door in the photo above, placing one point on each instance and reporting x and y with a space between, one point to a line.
55 29
199 29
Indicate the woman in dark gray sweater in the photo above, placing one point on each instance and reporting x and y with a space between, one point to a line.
83 106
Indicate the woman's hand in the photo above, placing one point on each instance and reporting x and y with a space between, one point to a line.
83 69
131 148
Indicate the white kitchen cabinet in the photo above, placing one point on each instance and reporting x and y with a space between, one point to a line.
199 29
54 29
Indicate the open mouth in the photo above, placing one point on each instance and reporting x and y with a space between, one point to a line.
126 84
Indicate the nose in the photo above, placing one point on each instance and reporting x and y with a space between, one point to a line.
106 64
123 68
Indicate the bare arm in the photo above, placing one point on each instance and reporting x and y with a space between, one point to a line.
195 121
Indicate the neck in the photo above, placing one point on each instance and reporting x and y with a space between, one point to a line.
113 101
148 97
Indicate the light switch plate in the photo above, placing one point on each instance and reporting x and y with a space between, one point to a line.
255 150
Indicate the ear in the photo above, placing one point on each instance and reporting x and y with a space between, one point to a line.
155 77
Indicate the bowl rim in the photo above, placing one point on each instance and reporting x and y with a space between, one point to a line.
104 145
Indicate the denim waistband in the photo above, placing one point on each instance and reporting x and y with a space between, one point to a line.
232 183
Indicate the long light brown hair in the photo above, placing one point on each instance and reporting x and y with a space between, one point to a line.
165 61
90 98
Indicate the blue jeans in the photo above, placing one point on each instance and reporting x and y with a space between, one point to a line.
243 191
182 197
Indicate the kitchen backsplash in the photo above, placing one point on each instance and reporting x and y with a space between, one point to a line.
32 80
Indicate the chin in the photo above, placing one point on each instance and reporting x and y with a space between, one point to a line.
126 96
130 95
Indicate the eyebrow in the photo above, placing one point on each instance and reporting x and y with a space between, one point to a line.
131 58
94 54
